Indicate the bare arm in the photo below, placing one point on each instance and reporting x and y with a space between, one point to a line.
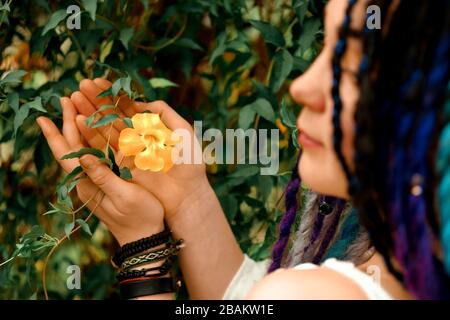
212 255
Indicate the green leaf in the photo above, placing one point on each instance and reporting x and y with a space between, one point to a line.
54 20
125 173
145 4
20 117
72 175
220 48
5 7
189 43
125 36
91 118
270 33
84 226
230 206
35 232
62 191
91 7
301 8
13 101
126 85
128 122
116 86
294 137
103 121
287 116
283 63
13 77
264 109
24 111
310 29
108 162
99 154
105 93
300 64
114 167
245 172
246 117
161 83
261 107
56 209
68 229
35 104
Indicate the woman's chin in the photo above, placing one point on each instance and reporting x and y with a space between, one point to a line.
317 177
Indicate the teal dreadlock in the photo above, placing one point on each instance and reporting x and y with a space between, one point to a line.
443 167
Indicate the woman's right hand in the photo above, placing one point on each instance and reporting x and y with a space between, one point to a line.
128 210
178 187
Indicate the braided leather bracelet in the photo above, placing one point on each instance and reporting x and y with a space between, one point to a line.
133 248
152 256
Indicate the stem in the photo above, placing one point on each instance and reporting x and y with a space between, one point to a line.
60 241
7 261
77 44
169 42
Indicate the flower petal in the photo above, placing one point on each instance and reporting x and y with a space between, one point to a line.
166 155
143 122
170 139
130 142
148 160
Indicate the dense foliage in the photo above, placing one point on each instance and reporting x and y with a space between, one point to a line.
224 62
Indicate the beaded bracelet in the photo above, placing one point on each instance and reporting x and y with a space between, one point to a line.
133 248
153 256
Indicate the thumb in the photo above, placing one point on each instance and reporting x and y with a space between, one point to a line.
101 175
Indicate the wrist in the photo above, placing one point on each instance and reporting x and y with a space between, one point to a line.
194 203
129 236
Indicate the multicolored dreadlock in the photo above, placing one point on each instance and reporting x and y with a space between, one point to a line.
329 208
372 215
328 228
406 98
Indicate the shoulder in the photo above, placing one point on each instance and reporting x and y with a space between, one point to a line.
320 283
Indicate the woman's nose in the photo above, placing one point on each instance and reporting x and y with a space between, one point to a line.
308 89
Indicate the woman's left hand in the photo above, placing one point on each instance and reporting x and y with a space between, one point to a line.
129 211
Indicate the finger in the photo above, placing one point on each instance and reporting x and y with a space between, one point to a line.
86 108
102 83
169 116
98 137
125 104
93 138
90 90
57 143
82 104
70 130
103 177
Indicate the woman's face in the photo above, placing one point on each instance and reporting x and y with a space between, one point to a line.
319 166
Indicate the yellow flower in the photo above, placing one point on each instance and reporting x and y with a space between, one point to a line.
149 141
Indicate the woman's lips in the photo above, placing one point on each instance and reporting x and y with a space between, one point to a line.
306 141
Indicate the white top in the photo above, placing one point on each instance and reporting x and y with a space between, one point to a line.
251 272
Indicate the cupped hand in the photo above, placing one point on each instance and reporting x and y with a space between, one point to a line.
128 210
181 184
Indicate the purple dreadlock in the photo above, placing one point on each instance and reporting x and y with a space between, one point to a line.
403 86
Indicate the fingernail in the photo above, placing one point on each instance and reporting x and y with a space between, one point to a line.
40 122
88 161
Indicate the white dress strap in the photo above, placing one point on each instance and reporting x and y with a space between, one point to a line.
248 274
